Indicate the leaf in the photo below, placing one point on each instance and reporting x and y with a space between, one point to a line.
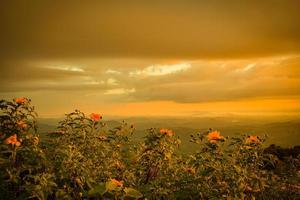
130 192
168 156
112 186
98 190
61 194
237 169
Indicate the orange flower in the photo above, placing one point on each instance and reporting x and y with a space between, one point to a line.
20 100
214 136
166 132
12 140
252 139
22 124
116 182
95 117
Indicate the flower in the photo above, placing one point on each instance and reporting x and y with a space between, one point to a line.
22 124
252 139
12 140
95 117
214 136
20 100
166 132
116 182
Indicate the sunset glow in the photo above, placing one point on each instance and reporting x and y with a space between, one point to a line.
153 59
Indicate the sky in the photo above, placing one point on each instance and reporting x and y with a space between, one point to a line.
152 58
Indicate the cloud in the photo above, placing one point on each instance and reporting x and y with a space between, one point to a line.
111 71
67 68
189 30
206 81
185 82
160 70
112 81
23 71
119 91
16 76
248 67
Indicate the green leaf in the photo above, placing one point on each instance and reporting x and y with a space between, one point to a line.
110 186
98 190
61 194
130 192
237 169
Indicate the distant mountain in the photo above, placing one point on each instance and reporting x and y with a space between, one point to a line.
283 133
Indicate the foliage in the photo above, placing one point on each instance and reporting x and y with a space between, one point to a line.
82 159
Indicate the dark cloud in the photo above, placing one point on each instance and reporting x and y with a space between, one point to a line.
22 72
234 80
21 76
161 29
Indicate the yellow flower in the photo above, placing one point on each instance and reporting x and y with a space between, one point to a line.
166 132
20 100
12 140
214 136
116 182
95 117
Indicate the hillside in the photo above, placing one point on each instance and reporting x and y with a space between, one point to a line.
282 132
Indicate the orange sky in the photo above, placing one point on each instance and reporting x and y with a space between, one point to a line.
262 107
158 58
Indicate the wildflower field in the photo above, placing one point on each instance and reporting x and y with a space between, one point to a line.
82 159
